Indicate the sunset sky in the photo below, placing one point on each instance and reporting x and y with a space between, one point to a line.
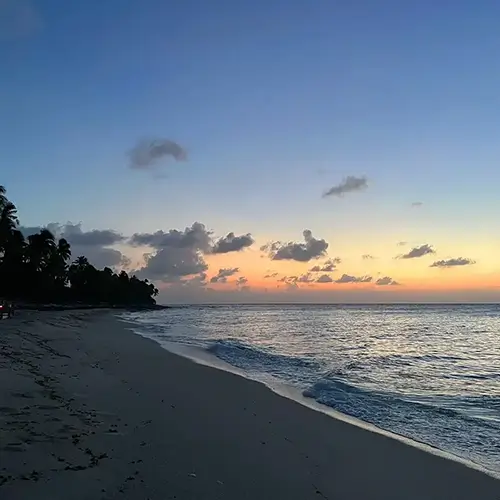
234 140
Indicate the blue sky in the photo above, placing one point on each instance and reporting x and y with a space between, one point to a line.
275 101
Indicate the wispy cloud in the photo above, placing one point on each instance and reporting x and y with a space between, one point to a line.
224 274
367 256
294 280
147 153
241 282
348 185
416 252
417 204
386 281
327 267
402 243
459 261
271 275
346 278
312 248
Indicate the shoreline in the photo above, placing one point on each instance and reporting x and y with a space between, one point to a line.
200 356
88 307
89 406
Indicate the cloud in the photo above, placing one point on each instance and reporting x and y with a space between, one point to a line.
324 278
346 278
312 248
224 274
367 256
242 282
402 243
198 280
460 261
417 204
348 185
93 244
272 275
101 257
418 252
232 243
147 153
171 264
386 281
327 267
305 278
293 281
18 19
289 281
178 254
197 236
96 237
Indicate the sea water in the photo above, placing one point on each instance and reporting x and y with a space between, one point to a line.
427 372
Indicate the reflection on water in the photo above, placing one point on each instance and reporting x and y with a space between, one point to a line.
429 372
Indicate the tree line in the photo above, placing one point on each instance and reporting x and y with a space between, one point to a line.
39 269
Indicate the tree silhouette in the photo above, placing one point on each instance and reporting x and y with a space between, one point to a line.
37 269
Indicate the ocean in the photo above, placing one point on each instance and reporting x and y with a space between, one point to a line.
427 372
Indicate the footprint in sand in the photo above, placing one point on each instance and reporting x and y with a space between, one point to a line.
17 447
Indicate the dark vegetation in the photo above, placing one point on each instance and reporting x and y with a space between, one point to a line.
38 269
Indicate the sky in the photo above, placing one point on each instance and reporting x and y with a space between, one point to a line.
264 151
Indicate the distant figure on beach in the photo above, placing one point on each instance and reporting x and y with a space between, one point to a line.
6 308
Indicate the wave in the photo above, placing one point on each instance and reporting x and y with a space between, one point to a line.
465 426
442 424
262 361
446 428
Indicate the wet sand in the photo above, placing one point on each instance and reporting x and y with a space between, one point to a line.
89 410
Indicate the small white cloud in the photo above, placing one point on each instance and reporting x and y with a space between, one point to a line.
417 252
460 261
327 267
386 281
224 274
148 152
348 185
346 278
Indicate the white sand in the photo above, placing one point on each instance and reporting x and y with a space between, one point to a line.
88 410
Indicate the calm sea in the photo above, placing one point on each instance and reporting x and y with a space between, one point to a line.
428 372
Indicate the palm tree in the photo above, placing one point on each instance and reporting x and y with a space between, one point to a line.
56 266
81 262
3 196
8 221
12 265
37 269
40 248
64 249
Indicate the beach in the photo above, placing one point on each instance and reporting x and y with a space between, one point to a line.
90 410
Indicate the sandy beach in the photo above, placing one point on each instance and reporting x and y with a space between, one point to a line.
89 410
